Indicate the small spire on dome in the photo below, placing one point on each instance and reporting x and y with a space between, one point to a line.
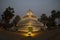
29 12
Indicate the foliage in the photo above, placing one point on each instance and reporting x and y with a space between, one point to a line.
44 18
6 16
16 20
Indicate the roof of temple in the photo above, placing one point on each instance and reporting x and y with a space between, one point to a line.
29 13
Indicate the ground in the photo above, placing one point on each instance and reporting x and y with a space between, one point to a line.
47 35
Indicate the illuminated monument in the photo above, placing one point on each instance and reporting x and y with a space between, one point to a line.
29 23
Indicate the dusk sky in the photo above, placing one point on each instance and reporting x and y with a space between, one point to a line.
37 6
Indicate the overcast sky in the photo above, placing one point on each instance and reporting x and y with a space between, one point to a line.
37 6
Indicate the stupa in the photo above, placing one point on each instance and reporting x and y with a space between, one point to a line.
30 23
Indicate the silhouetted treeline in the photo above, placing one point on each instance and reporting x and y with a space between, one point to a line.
7 15
50 21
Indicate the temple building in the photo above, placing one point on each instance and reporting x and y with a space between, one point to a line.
30 23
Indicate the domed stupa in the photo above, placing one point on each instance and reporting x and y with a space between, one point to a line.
30 23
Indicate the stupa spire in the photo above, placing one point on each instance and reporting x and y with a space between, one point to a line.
29 12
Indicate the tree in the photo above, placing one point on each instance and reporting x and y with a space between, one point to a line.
51 20
16 20
7 15
44 18
58 16
49 23
53 17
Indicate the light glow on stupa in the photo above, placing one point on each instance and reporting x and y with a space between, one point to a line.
30 24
